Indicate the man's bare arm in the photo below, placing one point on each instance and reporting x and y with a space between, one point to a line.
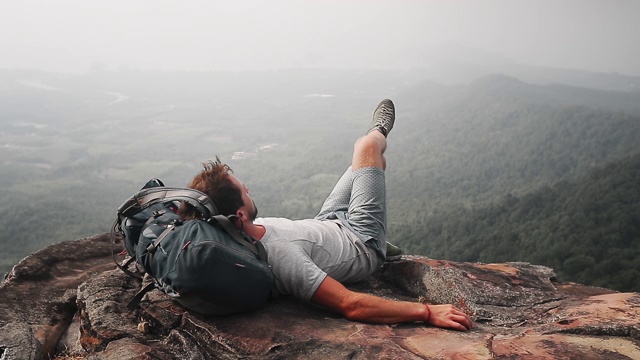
368 308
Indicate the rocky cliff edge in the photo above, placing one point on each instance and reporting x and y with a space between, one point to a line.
67 301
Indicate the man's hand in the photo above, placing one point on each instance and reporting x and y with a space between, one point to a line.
448 316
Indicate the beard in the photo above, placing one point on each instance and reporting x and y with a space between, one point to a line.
254 214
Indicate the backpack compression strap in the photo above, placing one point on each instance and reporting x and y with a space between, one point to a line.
113 237
135 300
147 197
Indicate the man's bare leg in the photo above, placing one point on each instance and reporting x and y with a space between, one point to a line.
369 150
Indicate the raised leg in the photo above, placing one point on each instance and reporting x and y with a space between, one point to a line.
368 151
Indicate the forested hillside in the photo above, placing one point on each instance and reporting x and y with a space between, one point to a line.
543 159
587 230
493 170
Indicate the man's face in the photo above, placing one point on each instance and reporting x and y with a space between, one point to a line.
249 207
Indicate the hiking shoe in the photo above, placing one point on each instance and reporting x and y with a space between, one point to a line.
393 252
383 117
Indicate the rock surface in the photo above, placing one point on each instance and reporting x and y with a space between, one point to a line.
69 300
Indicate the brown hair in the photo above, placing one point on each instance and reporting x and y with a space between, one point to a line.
214 181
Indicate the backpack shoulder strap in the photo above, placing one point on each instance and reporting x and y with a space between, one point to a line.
147 197
256 247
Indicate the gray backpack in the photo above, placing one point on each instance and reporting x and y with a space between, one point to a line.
207 265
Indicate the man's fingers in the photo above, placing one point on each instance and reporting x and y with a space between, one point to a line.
460 320
457 326
463 320
449 316
458 311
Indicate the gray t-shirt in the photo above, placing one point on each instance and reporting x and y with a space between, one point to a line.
303 252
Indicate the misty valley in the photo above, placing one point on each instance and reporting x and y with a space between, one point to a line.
494 168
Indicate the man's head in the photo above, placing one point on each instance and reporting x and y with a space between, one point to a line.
229 195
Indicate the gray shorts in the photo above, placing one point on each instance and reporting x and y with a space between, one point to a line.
359 201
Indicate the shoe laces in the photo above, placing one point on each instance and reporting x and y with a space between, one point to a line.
385 115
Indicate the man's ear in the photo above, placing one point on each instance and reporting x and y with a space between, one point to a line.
240 214
237 221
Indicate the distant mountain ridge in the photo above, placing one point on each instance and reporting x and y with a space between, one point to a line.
455 64
511 88
558 94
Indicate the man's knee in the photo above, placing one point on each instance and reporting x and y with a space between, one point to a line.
368 151
373 142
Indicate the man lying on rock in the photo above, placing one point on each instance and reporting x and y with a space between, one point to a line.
344 243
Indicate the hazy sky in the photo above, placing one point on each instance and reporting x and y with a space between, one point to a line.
78 35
